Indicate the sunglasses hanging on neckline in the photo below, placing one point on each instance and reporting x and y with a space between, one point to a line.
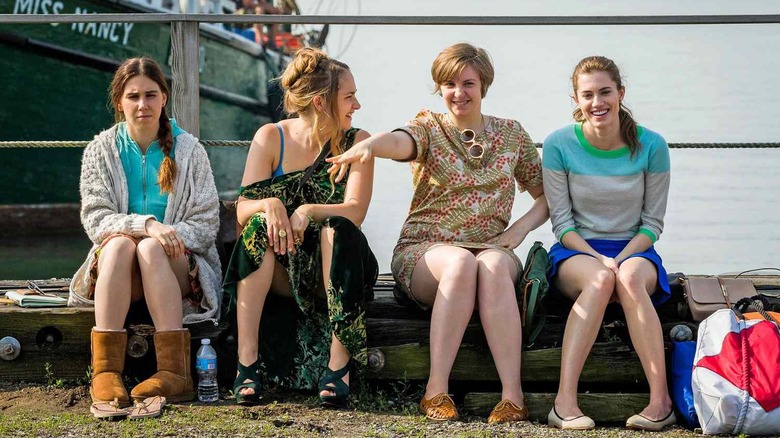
474 149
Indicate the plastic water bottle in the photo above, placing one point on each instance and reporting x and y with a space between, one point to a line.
206 365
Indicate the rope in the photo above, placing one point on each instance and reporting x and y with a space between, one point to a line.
246 143
81 144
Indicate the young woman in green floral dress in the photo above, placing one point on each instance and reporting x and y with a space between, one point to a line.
456 245
321 268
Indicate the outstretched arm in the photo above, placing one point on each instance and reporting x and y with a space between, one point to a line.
356 199
396 145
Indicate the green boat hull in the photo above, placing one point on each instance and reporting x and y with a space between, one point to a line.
55 81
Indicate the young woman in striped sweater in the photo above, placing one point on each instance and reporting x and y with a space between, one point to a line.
607 181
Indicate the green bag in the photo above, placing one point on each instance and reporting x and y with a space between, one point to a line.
533 288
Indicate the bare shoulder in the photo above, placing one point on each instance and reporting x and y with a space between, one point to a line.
267 134
266 141
361 135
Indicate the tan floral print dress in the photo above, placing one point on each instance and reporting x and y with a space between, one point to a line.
459 200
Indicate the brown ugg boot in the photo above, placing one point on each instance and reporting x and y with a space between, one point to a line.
173 379
108 362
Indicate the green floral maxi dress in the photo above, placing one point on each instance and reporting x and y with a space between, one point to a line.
294 344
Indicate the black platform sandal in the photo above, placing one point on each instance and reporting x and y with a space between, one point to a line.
339 388
251 373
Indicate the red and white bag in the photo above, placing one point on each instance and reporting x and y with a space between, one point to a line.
736 375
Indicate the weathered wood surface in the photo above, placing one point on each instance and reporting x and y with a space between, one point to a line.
608 362
603 408
58 337
29 218
185 69
397 340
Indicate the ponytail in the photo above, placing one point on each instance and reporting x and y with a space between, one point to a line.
628 130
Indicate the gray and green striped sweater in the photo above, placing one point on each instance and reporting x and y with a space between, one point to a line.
605 194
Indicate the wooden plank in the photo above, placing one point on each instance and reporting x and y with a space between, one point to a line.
185 64
608 363
602 408
58 337
54 283
25 219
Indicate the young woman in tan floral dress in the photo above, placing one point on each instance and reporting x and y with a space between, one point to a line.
294 212
455 249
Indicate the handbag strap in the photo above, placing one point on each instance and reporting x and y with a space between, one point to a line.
313 168
724 292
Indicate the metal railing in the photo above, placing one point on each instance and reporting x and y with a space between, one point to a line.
625 20
185 40
246 143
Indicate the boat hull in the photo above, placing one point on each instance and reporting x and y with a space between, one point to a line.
56 77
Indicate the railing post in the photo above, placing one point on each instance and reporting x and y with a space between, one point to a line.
185 50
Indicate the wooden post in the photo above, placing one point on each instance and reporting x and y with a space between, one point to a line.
185 50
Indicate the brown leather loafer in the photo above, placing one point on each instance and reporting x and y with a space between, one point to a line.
506 411
440 407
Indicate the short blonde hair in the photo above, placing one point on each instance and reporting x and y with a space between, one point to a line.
452 60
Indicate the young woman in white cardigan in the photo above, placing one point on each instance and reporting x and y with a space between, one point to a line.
150 207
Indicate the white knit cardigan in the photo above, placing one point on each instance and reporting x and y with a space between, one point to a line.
193 211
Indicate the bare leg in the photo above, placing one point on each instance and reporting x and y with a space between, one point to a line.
339 355
500 318
590 284
636 281
251 294
446 278
165 281
118 281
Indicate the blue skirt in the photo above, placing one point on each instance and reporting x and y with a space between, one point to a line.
611 248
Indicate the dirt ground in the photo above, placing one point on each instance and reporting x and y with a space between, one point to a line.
60 411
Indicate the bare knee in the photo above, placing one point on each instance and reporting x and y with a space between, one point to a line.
602 283
462 267
150 250
494 266
496 280
116 256
632 284
119 248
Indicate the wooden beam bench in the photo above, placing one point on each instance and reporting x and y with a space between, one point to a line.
55 344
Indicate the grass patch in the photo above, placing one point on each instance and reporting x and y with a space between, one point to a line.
393 397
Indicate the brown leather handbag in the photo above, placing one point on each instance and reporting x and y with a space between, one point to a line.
705 295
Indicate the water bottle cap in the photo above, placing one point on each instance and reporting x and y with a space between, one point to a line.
205 341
